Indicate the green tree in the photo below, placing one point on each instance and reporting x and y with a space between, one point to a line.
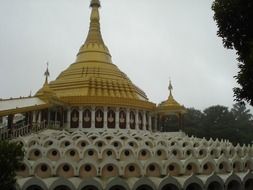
11 154
243 123
193 122
235 27
218 122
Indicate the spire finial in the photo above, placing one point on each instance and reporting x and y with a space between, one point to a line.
95 3
47 74
94 35
170 88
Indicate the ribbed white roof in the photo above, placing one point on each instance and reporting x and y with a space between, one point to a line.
20 103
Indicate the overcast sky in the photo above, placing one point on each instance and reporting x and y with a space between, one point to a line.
150 40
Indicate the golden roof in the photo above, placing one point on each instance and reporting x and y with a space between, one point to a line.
93 78
170 105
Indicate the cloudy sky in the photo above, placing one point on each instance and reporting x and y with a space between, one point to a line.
150 40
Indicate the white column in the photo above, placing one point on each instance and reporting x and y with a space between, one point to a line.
69 117
128 118
149 122
155 127
39 118
105 117
117 118
93 110
80 117
136 119
34 116
55 117
48 117
144 121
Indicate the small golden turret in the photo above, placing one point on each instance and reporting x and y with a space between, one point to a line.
170 105
46 93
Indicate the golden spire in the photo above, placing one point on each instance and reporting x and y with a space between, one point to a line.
94 35
46 74
46 92
170 88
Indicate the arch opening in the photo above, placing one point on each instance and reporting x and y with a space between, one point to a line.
34 187
248 184
90 187
214 186
62 187
144 187
117 187
170 187
233 185
193 186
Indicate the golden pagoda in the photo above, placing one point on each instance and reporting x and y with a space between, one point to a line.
93 129
93 79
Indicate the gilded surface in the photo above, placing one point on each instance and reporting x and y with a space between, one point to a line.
93 77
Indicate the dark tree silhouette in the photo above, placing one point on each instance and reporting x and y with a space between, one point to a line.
234 20
11 154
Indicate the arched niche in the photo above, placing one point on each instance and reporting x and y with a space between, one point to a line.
153 170
248 181
117 187
117 184
122 119
90 184
169 183
233 185
214 182
111 121
110 170
87 118
99 118
144 184
140 121
34 187
74 118
193 186
34 184
233 182
132 120
214 185
248 185
170 187
89 187
62 187
65 170
62 184
193 183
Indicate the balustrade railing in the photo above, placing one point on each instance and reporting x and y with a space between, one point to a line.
24 130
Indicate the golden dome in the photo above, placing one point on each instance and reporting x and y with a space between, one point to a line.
170 105
93 78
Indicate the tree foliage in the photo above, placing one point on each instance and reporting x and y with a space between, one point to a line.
11 154
234 20
235 124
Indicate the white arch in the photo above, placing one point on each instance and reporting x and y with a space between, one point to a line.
34 181
231 178
144 181
90 182
62 182
169 180
193 179
214 178
117 182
